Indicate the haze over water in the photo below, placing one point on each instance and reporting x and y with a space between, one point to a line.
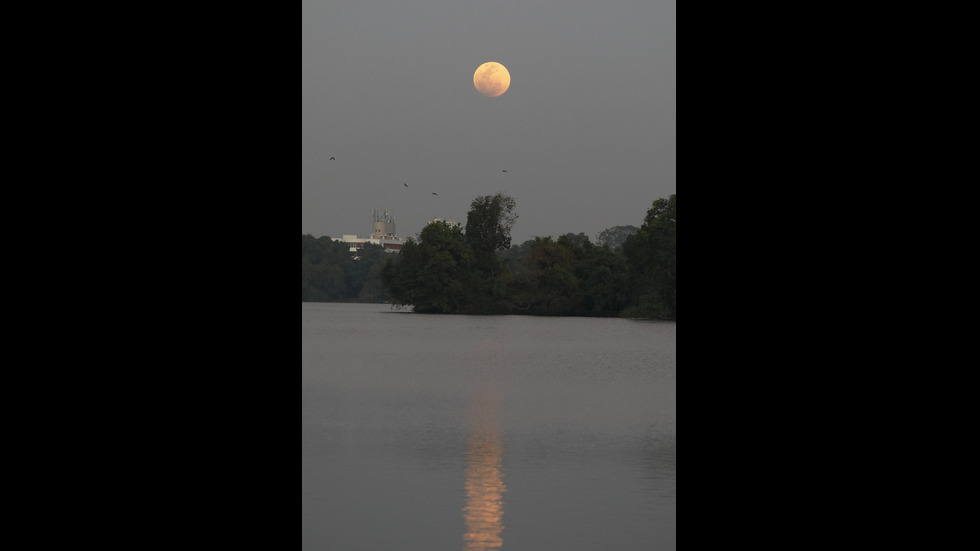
486 432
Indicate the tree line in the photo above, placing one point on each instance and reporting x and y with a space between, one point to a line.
474 269
332 274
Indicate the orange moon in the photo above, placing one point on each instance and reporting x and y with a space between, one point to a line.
491 79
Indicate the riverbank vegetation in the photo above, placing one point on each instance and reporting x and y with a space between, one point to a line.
475 269
332 274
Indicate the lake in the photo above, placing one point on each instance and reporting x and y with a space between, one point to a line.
442 432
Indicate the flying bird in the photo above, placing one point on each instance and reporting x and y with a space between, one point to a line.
406 185
434 193
331 158
505 171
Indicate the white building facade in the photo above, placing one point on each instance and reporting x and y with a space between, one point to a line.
383 234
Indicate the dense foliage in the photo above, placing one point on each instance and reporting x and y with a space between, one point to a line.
568 277
435 274
651 255
615 236
476 270
332 274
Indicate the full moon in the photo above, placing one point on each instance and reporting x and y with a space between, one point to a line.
491 79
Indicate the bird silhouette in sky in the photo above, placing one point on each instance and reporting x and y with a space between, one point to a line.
434 193
331 158
406 185
505 171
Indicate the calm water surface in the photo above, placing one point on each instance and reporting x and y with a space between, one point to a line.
436 432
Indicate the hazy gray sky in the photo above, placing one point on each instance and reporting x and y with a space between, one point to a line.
587 130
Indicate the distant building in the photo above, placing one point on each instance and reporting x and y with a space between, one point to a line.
383 234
